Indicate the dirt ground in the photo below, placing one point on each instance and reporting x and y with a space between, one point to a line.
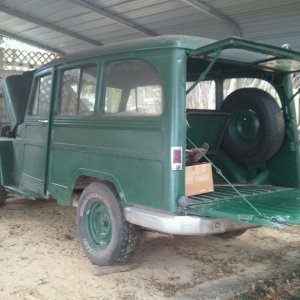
41 258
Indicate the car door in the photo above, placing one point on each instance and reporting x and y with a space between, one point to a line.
36 134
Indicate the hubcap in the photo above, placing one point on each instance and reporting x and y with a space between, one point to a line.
245 127
99 225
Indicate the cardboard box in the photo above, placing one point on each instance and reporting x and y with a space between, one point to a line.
198 179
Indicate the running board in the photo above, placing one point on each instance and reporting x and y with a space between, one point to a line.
14 190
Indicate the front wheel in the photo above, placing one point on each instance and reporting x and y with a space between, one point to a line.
106 237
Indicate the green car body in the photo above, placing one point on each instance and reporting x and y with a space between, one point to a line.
59 148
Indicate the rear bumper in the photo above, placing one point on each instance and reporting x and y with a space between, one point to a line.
181 225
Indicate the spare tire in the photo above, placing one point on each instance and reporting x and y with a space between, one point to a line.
255 129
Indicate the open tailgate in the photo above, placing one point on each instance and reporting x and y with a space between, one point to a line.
274 206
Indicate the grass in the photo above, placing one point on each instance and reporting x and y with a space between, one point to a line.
283 286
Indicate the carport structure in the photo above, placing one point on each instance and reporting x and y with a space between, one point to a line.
66 26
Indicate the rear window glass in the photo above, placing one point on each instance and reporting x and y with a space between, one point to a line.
132 87
202 96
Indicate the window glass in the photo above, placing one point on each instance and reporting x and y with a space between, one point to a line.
202 96
3 109
88 90
132 88
42 98
69 92
78 92
113 97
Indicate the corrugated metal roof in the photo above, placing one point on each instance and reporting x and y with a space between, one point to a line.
74 25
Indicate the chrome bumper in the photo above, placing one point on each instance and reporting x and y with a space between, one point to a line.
181 225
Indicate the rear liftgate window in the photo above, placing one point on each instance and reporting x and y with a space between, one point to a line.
202 96
132 88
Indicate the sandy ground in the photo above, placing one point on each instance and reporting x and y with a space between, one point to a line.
41 258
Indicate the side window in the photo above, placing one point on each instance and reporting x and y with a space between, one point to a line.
78 92
132 87
202 96
42 98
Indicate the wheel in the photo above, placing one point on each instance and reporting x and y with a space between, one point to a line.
231 234
5 131
106 237
256 126
3 196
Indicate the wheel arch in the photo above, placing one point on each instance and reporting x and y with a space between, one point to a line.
83 177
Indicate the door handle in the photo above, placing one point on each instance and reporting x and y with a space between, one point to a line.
43 121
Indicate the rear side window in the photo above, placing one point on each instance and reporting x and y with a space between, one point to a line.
202 96
78 92
42 97
132 87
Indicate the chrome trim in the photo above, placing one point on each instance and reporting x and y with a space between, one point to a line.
44 121
181 225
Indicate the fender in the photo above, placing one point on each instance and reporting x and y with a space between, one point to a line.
102 176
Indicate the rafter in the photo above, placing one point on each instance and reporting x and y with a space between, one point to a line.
31 19
214 13
31 42
113 16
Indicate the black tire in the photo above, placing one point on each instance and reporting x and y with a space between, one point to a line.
5 131
231 234
106 237
255 130
3 196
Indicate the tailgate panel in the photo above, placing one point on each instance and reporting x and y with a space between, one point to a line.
276 206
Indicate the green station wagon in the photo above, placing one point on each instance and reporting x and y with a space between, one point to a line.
118 127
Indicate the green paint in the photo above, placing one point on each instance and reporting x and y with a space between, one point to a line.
52 154
98 225
278 206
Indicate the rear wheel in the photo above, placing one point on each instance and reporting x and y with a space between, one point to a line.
231 234
106 237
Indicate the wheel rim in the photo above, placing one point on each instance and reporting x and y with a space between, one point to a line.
99 226
245 127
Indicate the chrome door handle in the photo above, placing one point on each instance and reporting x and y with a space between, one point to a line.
43 121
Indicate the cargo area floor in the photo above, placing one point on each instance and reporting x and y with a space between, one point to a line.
224 192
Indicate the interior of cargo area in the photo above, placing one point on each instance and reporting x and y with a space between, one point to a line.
242 160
